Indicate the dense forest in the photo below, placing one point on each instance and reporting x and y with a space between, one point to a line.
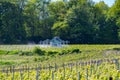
78 21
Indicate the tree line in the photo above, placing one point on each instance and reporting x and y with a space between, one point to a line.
78 21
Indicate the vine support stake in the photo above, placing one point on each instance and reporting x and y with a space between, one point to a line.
52 75
78 75
13 73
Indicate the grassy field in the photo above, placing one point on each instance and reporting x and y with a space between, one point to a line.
87 52
81 47
30 56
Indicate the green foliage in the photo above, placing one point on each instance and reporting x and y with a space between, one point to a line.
16 52
51 53
76 51
38 51
80 26
25 53
79 21
40 59
13 52
60 29
72 51
83 72
35 59
113 16
11 28
3 52
118 49
6 63
64 52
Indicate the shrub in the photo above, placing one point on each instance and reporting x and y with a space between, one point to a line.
51 53
41 59
118 49
27 53
75 51
6 63
3 52
38 51
13 52
20 53
64 52
35 59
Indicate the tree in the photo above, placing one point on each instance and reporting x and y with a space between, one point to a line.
79 21
100 10
79 18
57 12
113 18
37 21
12 30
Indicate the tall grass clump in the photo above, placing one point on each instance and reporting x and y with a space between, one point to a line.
38 51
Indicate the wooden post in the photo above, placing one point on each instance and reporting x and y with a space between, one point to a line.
13 73
96 65
52 75
39 67
37 73
55 67
49 69
76 66
23 67
117 64
28 72
26 67
78 75
64 71
86 74
21 75
71 66
80 64
90 69
2 69
7 72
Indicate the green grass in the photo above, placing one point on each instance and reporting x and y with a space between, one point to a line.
81 47
88 52
23 55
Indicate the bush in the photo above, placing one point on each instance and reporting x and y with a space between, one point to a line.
35 59
27 53
13 52
41 59
63 52
51 53
6 63
3 52
38 51
118 49
75 51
